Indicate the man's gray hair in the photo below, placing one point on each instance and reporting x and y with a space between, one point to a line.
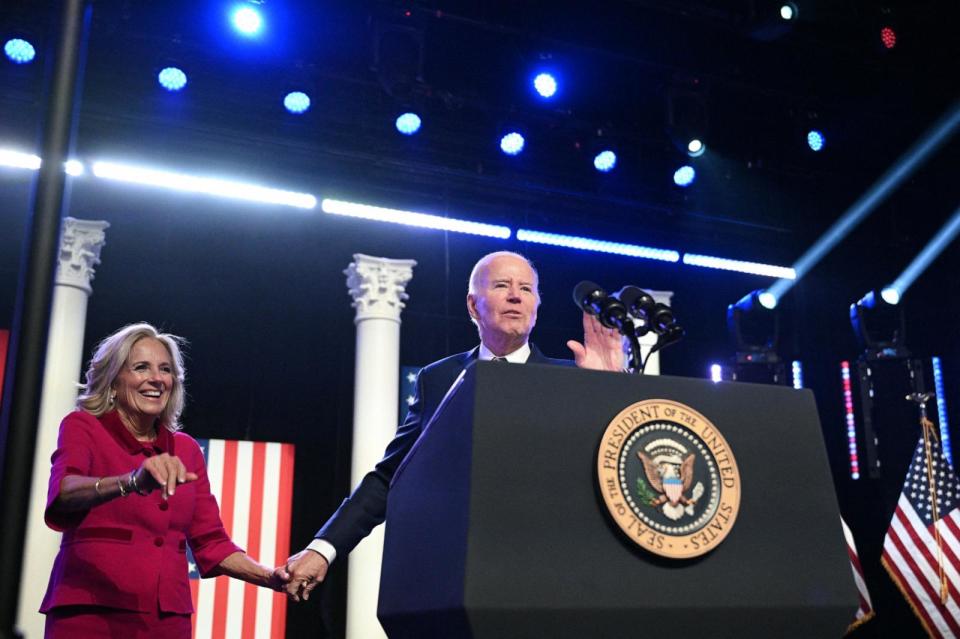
474 283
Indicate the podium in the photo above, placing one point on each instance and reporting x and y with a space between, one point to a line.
496 526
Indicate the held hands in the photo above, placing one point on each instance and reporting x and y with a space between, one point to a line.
602 348
304 571
161 471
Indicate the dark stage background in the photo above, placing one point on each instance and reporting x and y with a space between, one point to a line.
258 290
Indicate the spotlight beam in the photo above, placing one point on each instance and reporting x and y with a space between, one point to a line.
939 133
929 253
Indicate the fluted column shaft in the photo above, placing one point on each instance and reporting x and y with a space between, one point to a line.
80 245
378 288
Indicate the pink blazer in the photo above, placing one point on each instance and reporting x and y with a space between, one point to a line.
130 552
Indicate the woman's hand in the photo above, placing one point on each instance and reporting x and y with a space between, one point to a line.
163 471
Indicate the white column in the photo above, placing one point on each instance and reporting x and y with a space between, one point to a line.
648 340
80 246
377 286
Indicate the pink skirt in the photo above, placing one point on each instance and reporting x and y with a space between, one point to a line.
91 622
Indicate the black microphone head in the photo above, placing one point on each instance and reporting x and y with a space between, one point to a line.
662 319
589 297
639 303
613 314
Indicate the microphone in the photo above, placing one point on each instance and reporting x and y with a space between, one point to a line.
640 305
609 310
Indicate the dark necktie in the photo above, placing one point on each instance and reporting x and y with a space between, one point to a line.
500 359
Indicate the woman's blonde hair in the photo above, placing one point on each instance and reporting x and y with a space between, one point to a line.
108 360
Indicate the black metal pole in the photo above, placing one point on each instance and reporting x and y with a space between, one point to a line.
25 359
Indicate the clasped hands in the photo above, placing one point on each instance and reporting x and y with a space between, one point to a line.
301 574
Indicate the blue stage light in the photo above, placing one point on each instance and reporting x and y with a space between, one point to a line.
408 123
930 252
796 370
605 161
768 300
19 51
172 79
716 373
815 140
890 295
602 246
696 148
296 102
684 176
545 84
942 409
247 20
788 11
932 139
512 143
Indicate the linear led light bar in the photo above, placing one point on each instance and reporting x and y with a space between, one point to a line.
19 160
411 218
602 246
756 268
195 184
942 409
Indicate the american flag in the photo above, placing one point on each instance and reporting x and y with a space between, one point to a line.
253 483
865 610
927 572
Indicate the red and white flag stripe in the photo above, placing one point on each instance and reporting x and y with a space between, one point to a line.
253 483
866 605
910 555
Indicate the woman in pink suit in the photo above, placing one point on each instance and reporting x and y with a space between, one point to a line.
130 491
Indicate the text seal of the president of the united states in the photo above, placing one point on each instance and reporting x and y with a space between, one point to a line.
668 478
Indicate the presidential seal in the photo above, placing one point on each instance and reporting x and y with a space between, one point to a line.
668 479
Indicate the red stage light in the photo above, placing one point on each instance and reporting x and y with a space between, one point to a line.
889 37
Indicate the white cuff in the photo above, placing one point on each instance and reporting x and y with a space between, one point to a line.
324 548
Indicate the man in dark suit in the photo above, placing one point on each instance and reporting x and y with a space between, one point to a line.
502 300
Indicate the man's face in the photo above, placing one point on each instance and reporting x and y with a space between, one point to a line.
505 303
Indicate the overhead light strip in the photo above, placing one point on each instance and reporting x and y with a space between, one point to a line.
722 263
601 246
412 218
195 184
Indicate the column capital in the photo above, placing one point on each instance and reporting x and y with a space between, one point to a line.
378 286
80 244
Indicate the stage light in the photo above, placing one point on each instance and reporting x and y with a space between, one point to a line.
754 330
18 160
888 37
172 79
905 165
767 300
890 295
788 11
796 371
247 20
19 51
716 373
942 408
684 176
850 421
545 85
930 252
815 140
411 218
601 246
194 184
605 161
708 261
512 143
878 326
408 123
696 147
73 167
296 102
